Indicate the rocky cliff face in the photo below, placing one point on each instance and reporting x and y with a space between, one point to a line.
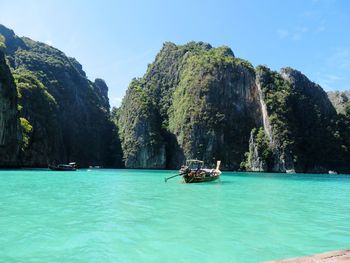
10 135
272 90
64 116
101 89
214 107
139 129
195 101
259 157
339 99
299 122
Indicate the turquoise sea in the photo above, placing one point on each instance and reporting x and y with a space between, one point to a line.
133 216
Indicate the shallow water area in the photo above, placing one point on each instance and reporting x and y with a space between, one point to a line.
102 215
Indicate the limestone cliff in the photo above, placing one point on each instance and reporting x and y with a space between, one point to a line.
9 123
198 101
339 99
259 156
64 116
194 101
139 129
299 121
214 107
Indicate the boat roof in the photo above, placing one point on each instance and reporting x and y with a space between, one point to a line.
194 161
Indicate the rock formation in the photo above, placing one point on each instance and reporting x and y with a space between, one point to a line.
299 121
10 135
196 101
64 116
339 99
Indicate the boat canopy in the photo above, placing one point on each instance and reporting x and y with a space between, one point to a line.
194 161
194 164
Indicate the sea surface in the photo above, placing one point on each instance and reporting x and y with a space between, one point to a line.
134 216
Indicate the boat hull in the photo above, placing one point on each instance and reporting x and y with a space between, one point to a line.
195 179
193 172
199 175
56 168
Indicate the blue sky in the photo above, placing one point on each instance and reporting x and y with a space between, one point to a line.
115 40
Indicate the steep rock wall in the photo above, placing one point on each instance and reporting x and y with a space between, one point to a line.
214 108
199 102
339 99
9 123
64 115
299 121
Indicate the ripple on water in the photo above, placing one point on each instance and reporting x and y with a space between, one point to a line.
133 216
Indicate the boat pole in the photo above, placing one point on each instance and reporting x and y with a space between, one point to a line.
166 179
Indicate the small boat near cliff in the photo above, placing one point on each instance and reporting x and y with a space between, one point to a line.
193 172
332 172
64 167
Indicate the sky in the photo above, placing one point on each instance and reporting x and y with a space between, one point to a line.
116 40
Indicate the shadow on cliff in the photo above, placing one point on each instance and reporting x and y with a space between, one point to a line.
175 156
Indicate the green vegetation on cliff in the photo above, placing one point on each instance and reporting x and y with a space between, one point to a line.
208 104
39 106
278 97
26 129
196 95
10 135
141 144
68 114
194 101
2 43
260 155
302 121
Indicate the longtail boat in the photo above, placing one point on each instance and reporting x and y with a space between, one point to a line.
193 172
64 167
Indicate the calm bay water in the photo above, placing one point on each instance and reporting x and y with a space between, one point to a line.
133 216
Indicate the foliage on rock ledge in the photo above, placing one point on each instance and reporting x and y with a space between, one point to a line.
69 114
187 112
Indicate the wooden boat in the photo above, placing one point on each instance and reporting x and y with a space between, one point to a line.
193 172
64 167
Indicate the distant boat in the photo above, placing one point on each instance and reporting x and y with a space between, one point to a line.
291 171
64 167
193 172
332 172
